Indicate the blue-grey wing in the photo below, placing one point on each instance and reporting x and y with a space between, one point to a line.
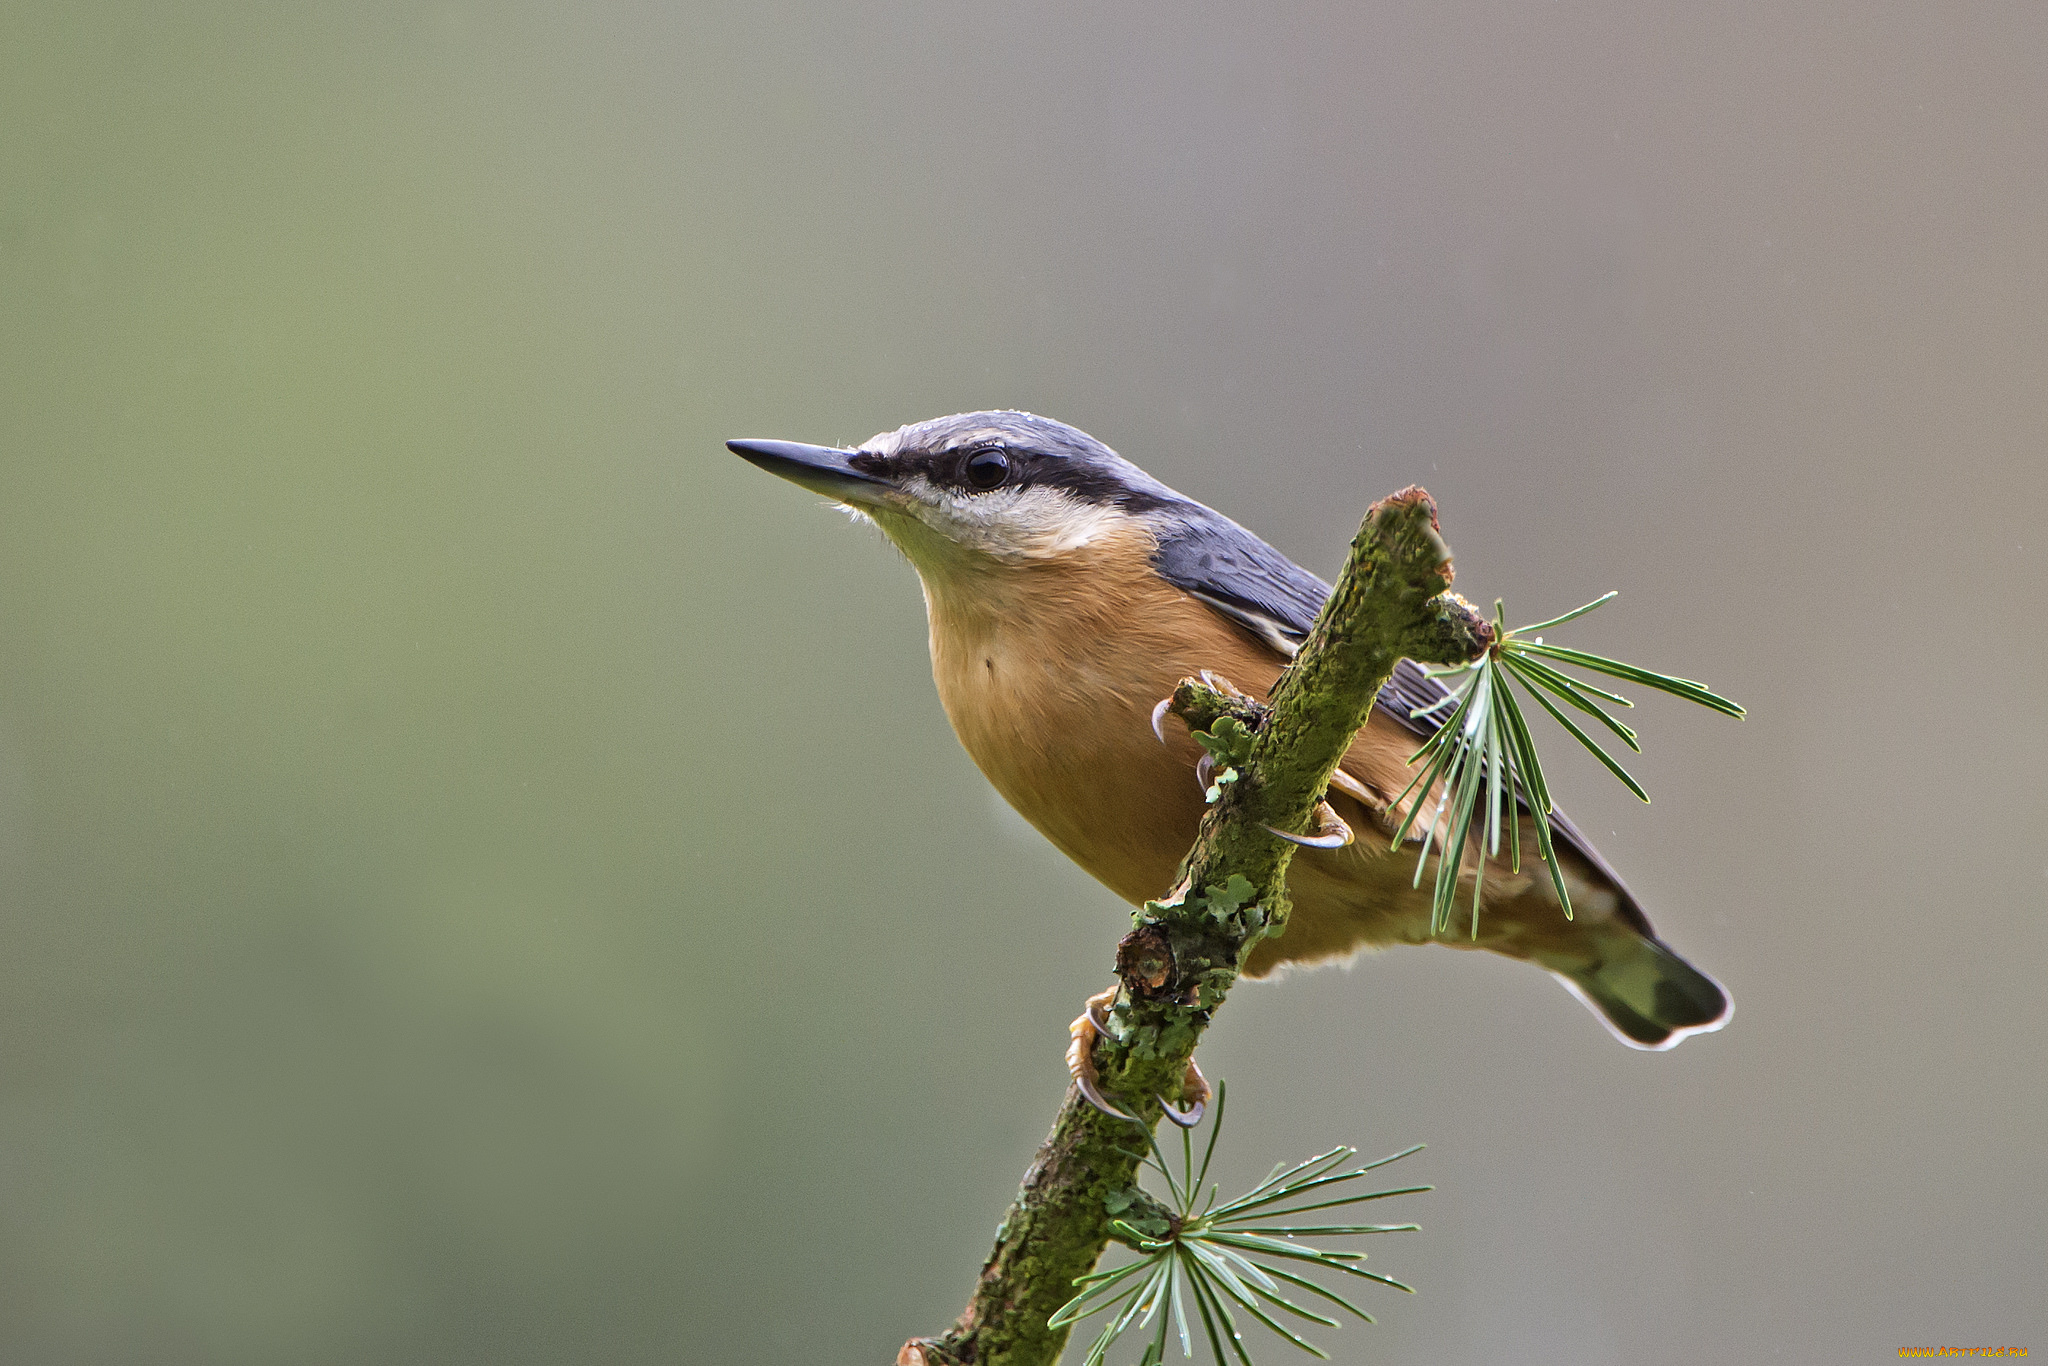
1212 558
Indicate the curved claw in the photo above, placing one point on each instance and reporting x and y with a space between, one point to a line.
1204 771
1086 1028
1089 1093
1195 1085
1333 834
1159 718
1312 841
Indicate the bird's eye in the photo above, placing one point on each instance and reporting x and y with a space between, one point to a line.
985 469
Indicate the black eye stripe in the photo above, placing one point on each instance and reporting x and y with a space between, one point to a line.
1080 478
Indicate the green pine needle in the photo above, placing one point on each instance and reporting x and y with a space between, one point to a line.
1221 1257
1486 761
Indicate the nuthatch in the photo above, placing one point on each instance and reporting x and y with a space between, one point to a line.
1069 591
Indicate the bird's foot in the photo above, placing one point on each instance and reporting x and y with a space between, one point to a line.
1331 833
1194 1088
1087 1027
1091 1025
1215 683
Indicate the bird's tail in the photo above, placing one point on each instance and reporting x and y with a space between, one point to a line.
1649 996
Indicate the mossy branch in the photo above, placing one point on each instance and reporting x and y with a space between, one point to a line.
1185 951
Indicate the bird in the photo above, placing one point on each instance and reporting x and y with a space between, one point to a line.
1067 593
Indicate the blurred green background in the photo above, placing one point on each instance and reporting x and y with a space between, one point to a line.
484 876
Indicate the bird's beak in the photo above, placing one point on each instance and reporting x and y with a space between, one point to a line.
821 469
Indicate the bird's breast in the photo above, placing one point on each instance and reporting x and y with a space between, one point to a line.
1050 686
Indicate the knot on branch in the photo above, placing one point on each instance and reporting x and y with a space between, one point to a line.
1406 523
1164 965
1144 960
1456 632
1148 1218
1180 959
